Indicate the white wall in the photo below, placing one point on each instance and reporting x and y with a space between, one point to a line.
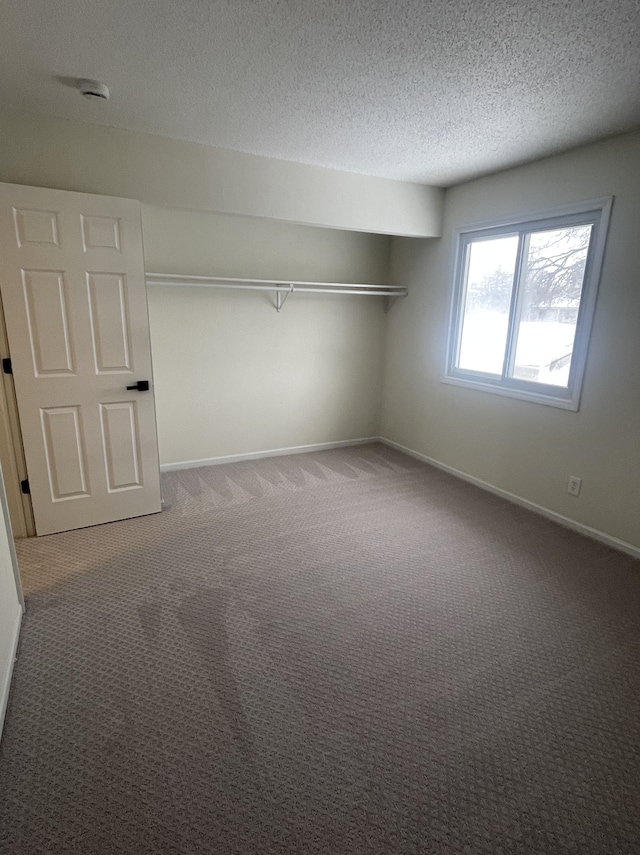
525 448
10 604
233 375
49 152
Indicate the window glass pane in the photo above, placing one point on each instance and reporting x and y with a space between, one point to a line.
548 303
487 299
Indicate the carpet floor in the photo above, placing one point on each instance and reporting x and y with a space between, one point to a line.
338 652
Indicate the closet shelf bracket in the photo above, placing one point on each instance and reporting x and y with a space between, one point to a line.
281 296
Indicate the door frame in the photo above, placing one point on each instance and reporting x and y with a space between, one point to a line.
12 457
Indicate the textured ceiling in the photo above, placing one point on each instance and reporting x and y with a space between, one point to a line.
434 92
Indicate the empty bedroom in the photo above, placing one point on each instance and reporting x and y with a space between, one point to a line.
319 428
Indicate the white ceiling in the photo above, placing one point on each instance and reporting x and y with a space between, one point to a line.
434 91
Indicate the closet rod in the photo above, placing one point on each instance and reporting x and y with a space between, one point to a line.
274 284
281 289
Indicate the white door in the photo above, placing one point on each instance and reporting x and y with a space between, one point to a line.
74 296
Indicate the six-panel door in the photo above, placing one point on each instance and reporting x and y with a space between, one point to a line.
74 296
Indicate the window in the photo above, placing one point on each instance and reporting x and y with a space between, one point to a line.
523 301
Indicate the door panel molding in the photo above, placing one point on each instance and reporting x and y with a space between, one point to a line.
65 453
45 298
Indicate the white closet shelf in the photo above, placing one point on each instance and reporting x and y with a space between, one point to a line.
281 288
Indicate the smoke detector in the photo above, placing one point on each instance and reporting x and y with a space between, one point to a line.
94 90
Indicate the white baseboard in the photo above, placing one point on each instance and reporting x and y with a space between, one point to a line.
6 683
255 455
593 533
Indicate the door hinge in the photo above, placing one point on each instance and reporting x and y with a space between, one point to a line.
24 486
6 365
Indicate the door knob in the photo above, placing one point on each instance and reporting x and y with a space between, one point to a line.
140 386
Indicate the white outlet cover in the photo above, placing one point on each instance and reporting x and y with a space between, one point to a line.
575 483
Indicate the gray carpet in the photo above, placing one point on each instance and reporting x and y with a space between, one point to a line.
339 652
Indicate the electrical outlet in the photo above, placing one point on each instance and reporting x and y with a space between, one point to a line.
573 487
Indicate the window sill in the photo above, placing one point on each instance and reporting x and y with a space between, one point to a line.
563 403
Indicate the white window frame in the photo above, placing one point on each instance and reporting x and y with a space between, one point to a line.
594 211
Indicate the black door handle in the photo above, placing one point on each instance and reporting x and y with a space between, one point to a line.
140 386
